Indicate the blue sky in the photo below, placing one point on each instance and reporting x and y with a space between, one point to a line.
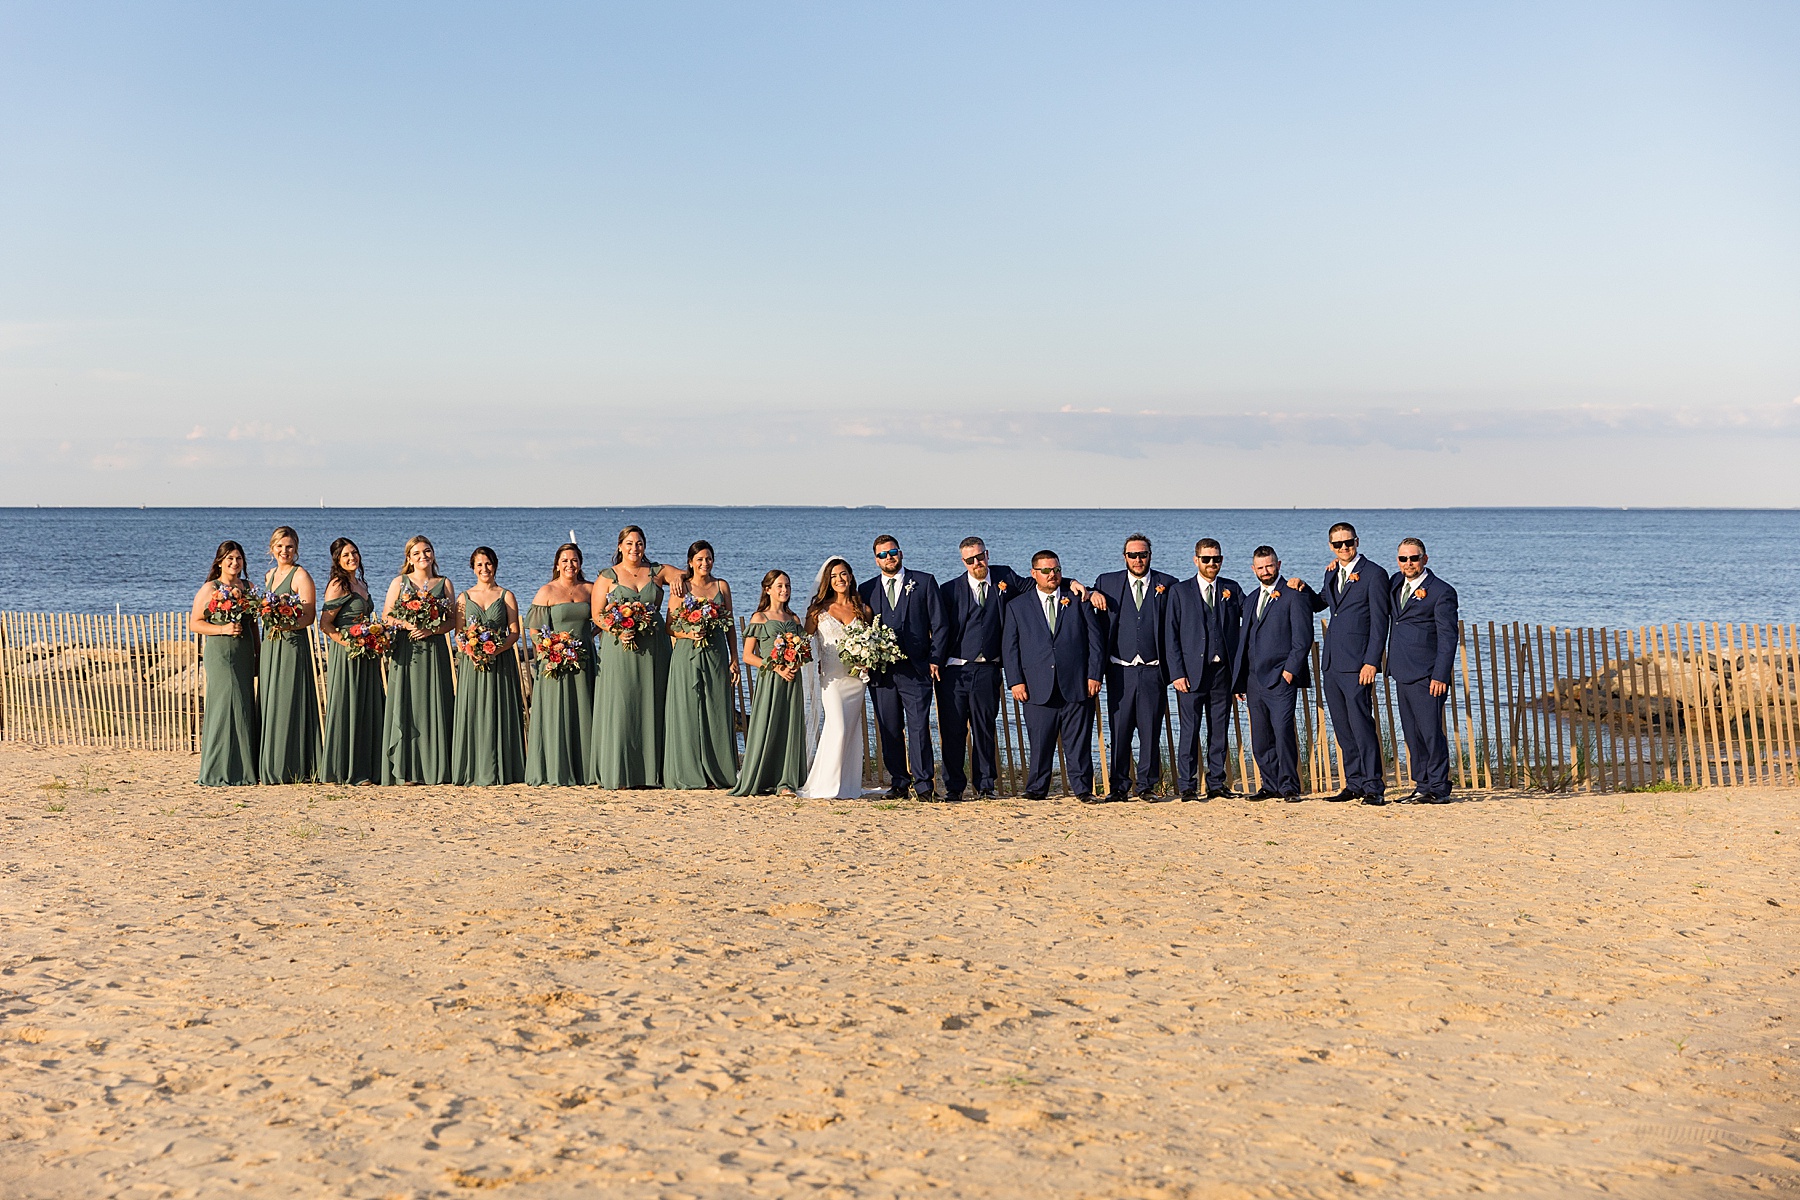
1187 255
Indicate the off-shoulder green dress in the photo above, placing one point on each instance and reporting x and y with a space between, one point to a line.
290 702
631 694
230 725
560 734
775 746
488 747
700 730
355 705
415 744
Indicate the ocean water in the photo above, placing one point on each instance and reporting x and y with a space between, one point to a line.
1544 565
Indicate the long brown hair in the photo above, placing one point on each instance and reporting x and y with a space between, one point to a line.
225 547
619 555
557 557
825 596
338 574
406 563
762 601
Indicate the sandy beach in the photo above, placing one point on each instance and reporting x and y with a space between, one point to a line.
437 992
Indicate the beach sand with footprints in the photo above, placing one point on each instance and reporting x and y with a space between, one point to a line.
441 992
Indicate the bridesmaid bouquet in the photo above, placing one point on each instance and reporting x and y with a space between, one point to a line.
628 618
422 610
788 650
560 653
699 618
232 606
482 645
368 639
867 648
281 613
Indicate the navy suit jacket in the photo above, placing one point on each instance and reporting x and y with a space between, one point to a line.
1192 633
1358 631
1131 631
918 620
1426 632
1281 641
1051 665
971 632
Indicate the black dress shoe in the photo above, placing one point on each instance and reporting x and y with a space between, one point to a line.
1377 801
1294 799
985 795
1090 798
896 793
1035 795
953 797
1116 797
1343 797
1221 794
1154 798
924 795
1444 799
1263 794
1190 794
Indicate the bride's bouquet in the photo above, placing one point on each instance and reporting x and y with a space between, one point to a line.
788 650
699 619
867 648
627 620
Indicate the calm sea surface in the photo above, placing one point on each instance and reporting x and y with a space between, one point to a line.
1555 566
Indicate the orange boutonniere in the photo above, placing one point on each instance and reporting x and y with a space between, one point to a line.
1354 576
1418 593
1225 595
1275 595
1065 602
1001 586
1160 587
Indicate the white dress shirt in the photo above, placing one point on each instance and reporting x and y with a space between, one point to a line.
1409 586
975 586
899 578
1345 572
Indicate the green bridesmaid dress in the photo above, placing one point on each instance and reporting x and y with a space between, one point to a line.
355 706
415 745
775 747
700 734
558 740
632 693
230 736
488 747
290 703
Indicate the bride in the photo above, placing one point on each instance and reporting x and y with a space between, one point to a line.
837 768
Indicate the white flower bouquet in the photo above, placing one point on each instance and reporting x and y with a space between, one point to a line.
866 648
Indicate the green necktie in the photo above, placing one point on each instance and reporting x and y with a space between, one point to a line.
1137 587
1050 611
1262 606
1206 594
893 591
981 593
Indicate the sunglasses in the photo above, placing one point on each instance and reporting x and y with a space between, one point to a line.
895 553
1345 545
1411 557
1209 558
1137 554
1045 570
969 562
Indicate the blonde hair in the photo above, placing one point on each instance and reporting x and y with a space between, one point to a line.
282 531
418 539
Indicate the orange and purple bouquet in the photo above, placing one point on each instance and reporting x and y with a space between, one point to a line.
628 620
788 650
559 653
368 639
281 612
481 644
232 605
423 611
699 619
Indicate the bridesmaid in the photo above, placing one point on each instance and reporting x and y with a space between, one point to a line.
355 706
634 683
415 745
562 708
700 747
775 747
488 747
289 695
229 734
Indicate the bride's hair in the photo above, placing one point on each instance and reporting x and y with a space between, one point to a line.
825 596
763 602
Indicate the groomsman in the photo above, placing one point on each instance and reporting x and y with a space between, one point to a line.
1420 658
1271 669
1051 647
1356 592
1200 640
968 691
907 602
1136 686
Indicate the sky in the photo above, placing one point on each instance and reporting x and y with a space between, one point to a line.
972 254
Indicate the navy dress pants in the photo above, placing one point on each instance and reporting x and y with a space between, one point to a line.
968 699
903 717
1352 708
1136 699
1211 700
1072 723
1273 737
1427 748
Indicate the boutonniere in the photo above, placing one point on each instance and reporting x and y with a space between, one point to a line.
1225 595
1354 576
1001 586
1065 602
1418 593
1160 587
1275 594
907 590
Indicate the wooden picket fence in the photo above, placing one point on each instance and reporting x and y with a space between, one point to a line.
1531 707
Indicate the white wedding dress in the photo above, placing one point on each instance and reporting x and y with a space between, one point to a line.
837 766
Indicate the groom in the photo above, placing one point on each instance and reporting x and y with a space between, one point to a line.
908 603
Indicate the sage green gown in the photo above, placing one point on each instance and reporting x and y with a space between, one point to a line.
560 734
488 747
775 747
290 703
355 704
415 743
631 693
700 723
230 725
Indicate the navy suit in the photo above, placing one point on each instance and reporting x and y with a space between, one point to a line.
1355 638
1136 697
1421 649
1281 641
1200 644
1055 669
902 693
968 693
